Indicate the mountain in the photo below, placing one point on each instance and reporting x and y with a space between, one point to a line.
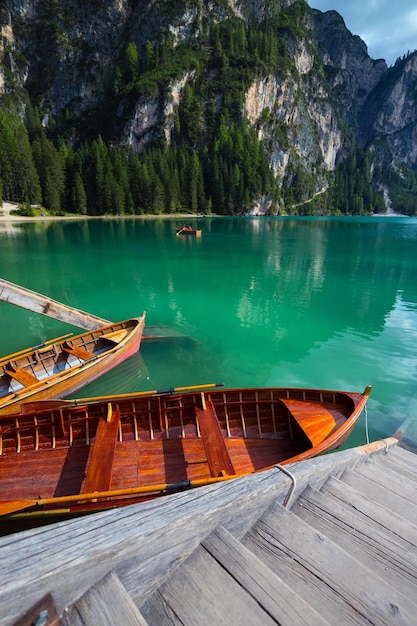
250 107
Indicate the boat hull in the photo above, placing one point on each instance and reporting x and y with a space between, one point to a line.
61 368
89 455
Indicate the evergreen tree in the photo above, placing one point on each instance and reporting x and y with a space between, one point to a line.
50 167
131 62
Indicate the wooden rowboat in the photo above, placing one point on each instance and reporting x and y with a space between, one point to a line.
74 457
188 231
62 366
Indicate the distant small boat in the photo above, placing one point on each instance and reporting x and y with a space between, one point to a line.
79 456
185 230
62 366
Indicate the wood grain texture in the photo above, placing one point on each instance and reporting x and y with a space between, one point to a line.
369 488
372 545
202 592
269 590
78 351
101 459
317 424
392 481
21 375
330 579
378 518
107 602
217 455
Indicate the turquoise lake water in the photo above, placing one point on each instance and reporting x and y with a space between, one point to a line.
312 302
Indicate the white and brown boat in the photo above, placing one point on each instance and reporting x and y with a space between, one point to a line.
60 367
64 458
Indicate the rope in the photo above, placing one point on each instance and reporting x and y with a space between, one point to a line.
366 425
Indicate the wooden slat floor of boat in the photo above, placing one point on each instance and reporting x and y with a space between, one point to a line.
60 472
135 463
252 455
159 461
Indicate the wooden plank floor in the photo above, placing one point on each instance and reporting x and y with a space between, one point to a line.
134 463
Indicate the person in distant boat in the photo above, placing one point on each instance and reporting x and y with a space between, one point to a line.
190 228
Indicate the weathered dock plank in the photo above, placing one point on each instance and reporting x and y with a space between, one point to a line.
268 589
381 494
392 481
106 602
197 594
374 547
330 579
377 517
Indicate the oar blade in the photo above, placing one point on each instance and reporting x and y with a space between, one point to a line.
13 506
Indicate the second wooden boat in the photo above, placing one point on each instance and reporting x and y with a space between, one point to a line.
185 230
60 367
94 454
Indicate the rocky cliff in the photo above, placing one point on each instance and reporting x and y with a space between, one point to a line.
100 67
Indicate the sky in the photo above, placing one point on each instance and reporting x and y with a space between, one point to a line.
388 27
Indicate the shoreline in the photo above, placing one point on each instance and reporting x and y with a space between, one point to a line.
7 207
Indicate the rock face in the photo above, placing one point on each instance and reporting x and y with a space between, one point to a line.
64 54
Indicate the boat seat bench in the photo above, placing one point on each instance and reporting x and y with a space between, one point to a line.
101 457
79 352
218 457
314 422
21 375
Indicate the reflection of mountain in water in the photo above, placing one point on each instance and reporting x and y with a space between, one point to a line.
324 277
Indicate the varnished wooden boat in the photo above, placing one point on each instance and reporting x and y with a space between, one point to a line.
188 231
78 456
62 366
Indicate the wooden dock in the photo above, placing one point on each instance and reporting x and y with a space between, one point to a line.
337 546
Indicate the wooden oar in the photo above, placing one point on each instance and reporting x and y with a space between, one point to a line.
40 405
44 344
180 231
153 392
8 507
